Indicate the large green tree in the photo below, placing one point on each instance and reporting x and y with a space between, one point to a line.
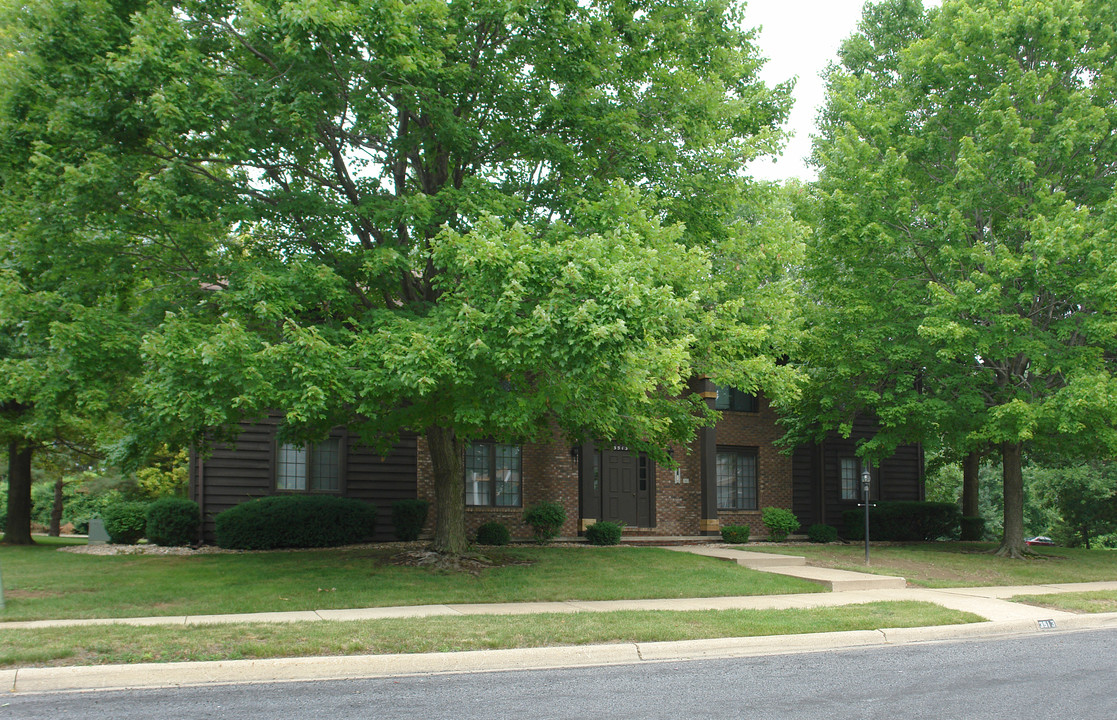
464 219
964 261
86 259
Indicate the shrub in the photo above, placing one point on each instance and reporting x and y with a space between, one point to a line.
973 528
604 533
493 533
125 521
408 518
780 523
546 520
735 534
289 521
819 533
173 521
905 521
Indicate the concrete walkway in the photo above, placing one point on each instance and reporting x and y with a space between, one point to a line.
1001 618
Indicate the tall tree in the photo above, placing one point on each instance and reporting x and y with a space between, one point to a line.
968 159
86 262
462 219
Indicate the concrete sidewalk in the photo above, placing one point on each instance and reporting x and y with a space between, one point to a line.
1001 617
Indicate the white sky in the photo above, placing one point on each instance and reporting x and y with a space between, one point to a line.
799 38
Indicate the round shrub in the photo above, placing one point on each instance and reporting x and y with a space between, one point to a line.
604 533
819 533
493 533
735 534
408 518
125 521
290 521
173 521
780 523
546 520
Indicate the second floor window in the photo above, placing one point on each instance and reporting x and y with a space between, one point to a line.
735 400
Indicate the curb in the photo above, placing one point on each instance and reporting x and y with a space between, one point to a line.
230 672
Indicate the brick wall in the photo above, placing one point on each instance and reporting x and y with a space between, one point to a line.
758 430
550 472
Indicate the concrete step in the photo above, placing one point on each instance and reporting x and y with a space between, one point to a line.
840 580
751 560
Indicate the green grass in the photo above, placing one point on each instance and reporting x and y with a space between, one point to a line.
1096 601
955 564
42 583
127 644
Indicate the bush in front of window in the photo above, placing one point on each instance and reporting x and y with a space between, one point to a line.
125 522
604 533
173 521
820 533
546 520
493 533
780 523
905 521
295 521
408 517
736 534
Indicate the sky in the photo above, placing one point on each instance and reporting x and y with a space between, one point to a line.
799 38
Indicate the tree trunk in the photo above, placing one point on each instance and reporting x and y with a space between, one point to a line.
447 463
971 466
56 510
1012 543
17 531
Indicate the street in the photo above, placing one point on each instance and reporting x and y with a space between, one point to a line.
1064 675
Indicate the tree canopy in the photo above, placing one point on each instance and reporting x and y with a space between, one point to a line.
457 219
964 259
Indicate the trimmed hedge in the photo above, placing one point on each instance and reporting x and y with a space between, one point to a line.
819 533
408 518
905 521
493 533
173 521
780 523
125 522
736 534
546 520
295 521
604 532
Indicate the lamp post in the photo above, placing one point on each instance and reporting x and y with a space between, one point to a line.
866 481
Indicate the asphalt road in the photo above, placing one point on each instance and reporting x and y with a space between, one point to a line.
1064 676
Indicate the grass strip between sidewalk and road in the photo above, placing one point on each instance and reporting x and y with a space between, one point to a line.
1094 601
117 644
42 583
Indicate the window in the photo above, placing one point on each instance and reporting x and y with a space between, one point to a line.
736 478
733 399
851 478
313 467
492 474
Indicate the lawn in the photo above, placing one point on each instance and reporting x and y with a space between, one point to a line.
1097 601
42 583
955 564
127 644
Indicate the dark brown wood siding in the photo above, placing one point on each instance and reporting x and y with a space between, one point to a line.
816 476
235 472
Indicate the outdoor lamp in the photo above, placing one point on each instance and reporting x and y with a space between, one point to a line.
866 481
